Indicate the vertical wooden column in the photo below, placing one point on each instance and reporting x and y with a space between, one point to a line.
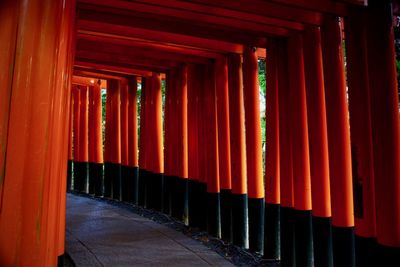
224 148
286 160
339 144
301 157
319 156
211 149
75 141
83 163
385 129
124 141
95 141
113 167
37 114
253 149
90 141
168 128
361 137
146 82
133 164
70 145
238 152
107 147
272 156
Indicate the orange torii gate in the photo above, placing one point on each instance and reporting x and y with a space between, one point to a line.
329 194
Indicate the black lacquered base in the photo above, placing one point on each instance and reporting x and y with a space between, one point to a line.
388 256
343 246
240 224
95 178
132 184
60 261
194 203
116 181
167 202
202 208
125 188
322 238
226 215
143 176
108 172
80 176
256 224
179 199
213 214
272 240
69 175
155 191
366 251
303 238
287 237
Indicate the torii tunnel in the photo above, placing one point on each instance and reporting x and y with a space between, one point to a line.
325 189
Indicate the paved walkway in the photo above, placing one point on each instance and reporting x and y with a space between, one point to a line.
100 234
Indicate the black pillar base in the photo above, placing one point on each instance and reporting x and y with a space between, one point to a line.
343 246
125 187
60 261
179 199
322 238
95 178
194 203
80 176
366 252
304 238
108 172
256 224
240 224
202 209
168 185
155 191
132 184
287 237
388 256
213 214
143 176
69 175
272 241
116 181
226 215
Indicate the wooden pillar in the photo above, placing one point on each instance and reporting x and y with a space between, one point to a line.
385 129
83 163
301 157
133 164
272 160
255 182
70 145
339 144
238 152
224 147
33 93
107 146
124 141
286 160
76 111
168 147
319 155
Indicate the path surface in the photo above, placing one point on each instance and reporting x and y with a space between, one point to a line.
100 234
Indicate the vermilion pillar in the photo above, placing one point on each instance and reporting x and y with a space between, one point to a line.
168 127
133 163
339 144
224 147
75 132
211 149
70 140
361 137
124 140
81 176
95 141
272 160
253 149
146 82
238 152
286 160
112 168
107 147
385 129
319 156
301 157
29 218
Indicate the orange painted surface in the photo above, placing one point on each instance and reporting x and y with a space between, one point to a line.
84 124
167 125
360 125
114 91
147 124
91 130
236 123
97 138
193 87
70 126
285 141
157 143
202 141
385 122
211 130
107 141
124 123
253 124
299 127
181 136
142 149
76 98
272 156
338 125
224 147
317 125
132 122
